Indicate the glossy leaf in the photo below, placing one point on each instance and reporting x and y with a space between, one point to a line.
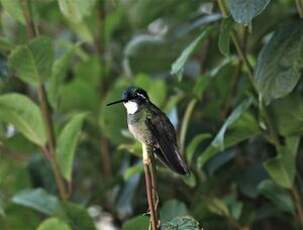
14 9
217 206
288 114
181 223
25 115
59 70
131 171
177 67
280 62
172 209
243 11
191 148
201 85
33 62
219 143
76 10
139 222
37 199
280 197
282 168
67 142
76 217
53 223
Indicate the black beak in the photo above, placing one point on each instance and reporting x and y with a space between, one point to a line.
116 102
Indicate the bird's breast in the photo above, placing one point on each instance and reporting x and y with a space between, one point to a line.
136 125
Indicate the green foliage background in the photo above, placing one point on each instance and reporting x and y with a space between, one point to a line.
227 73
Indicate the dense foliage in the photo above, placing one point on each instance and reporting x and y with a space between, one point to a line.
227 73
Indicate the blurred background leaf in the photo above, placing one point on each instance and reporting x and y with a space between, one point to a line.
62 61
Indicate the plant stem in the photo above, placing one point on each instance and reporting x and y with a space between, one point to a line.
49 152
154 182
185 122
105 157
149 188
298 203
299 5
232 92
59 182
240 51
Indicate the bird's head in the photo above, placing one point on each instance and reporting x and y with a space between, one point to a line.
132 99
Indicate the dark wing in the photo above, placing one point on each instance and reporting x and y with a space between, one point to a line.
165 146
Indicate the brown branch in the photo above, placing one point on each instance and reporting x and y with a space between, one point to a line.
154 182
241 53
150 190
56 171
298 203
299 5
105 157
49 152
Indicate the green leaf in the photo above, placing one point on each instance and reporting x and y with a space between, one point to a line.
220 142
112 119
76 10
67 142
37 199
191 148
280 197
282 168
78 95
59 70
25 115
224 36
14 9
280 62
76 217
138 222
235 206
275 168
288 115
243 11
201 85
52 224
138 168
217 206
2 213
172 209
82 30
33 62
235 115
181 223
177 67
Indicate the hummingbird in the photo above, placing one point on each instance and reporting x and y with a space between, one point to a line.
150 126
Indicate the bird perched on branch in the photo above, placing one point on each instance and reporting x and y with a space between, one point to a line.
151 127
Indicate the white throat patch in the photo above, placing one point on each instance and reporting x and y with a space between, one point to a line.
131 107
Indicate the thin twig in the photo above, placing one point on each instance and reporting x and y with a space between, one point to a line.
240 51
105 157
232 92
99 42
298 203
155 224
50 151
154 182
185 122
299 5
59 182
